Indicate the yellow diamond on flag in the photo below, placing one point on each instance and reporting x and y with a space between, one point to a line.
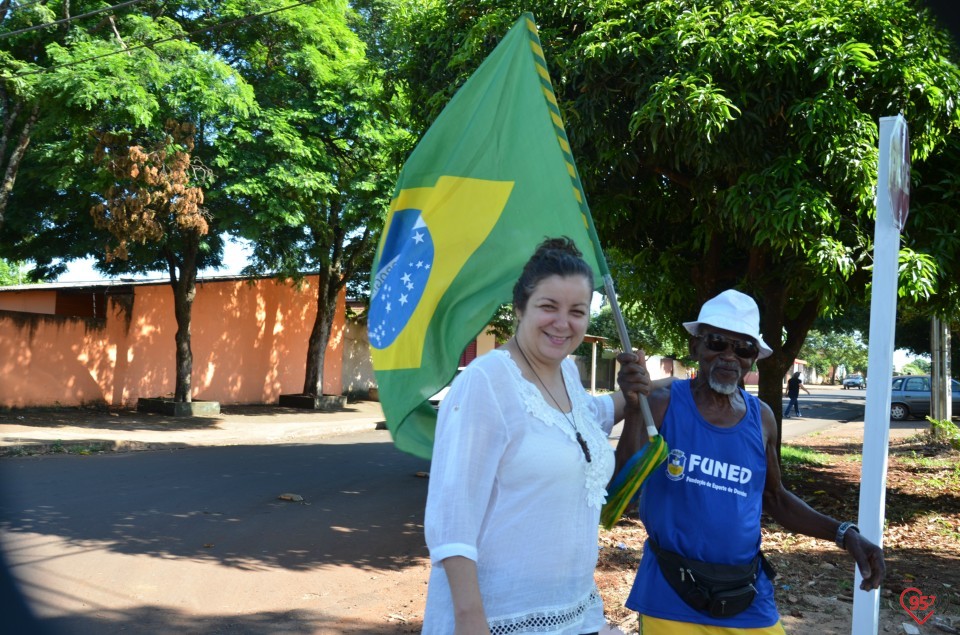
432 232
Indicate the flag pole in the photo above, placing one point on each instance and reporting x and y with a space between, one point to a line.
591 229
624 486
626 483
625 340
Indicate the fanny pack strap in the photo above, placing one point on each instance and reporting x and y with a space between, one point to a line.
670 558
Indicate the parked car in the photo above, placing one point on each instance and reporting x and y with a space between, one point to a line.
854 381
910 397
437 398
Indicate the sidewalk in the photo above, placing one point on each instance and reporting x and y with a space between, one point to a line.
84 430
33 431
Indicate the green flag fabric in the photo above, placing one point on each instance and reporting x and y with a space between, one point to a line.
490 179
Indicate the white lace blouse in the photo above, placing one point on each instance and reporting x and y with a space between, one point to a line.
510 488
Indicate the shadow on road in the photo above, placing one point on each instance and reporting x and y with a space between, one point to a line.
165 621
222 505
362 508
103 419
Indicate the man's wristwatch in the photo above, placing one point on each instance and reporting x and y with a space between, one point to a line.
842 531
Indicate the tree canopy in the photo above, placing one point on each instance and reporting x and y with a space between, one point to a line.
291 129
642 335
307 178
828 351
125 71
728 144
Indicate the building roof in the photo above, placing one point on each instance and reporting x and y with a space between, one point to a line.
116 282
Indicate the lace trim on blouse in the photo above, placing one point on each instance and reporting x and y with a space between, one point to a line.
545 621
601 463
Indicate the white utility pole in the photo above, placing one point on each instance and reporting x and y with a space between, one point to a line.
893 205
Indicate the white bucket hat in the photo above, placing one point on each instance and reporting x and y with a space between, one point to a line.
735 312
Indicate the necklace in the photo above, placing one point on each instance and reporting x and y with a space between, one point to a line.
570 418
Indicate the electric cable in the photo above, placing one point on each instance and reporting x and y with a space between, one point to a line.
149 43
37 27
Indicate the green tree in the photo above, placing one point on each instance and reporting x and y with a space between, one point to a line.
933 228
307 178
729 144
127 70
642 336
916 366
120 76
502 325
12 273
64 73
153 196
829 351
19 108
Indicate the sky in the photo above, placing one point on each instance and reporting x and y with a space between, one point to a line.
235 254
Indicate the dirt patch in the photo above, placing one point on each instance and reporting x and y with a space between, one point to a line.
814 583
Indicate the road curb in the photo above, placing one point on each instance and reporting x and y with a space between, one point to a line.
81 446
302 435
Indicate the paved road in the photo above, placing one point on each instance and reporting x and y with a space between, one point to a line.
197 541
824 408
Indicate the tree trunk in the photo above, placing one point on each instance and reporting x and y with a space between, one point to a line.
773 322
184 292
320 335
11 164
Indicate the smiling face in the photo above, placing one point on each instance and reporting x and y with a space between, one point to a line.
722 369
555 318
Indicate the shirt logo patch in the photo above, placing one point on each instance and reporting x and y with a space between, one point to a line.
676 465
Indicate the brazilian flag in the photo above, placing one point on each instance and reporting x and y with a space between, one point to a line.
490 179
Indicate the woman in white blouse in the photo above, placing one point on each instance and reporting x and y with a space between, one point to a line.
520 466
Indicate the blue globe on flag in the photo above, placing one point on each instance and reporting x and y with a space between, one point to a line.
405 266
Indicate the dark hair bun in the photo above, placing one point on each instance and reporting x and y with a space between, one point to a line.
562 244
553 257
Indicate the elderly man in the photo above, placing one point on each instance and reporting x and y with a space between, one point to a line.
702 569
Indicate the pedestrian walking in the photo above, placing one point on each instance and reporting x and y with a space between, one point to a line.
794 386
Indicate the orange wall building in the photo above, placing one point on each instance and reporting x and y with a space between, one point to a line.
113 342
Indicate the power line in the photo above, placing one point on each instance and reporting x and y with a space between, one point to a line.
36 27
149 43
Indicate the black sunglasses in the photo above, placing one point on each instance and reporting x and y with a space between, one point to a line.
720 343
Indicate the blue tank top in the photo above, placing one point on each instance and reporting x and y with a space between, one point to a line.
704 502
